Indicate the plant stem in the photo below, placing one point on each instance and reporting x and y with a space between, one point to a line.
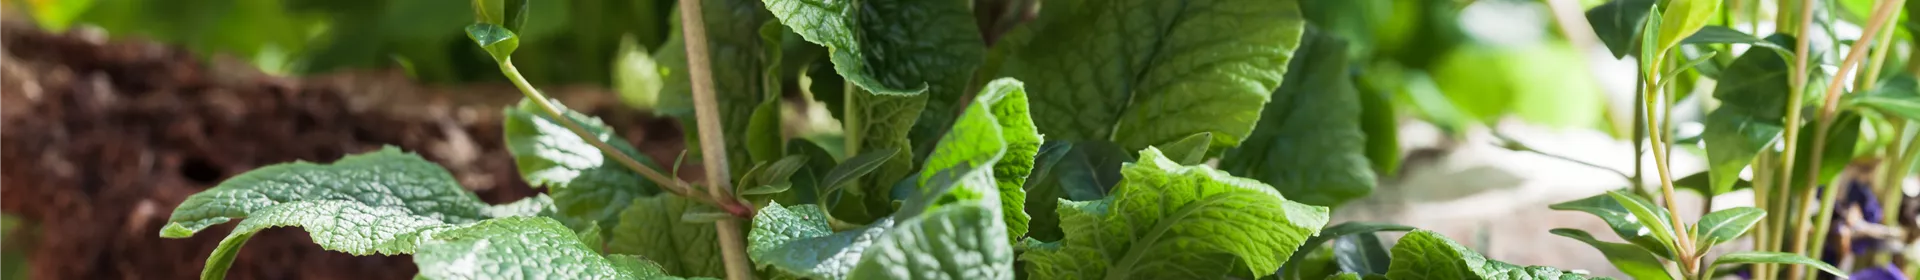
1639 132
1824 220
671 184
1795 89
733 249
1682 242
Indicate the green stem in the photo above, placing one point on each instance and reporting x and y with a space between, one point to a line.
1795 89
1824 221
1682 242
733 249
671 184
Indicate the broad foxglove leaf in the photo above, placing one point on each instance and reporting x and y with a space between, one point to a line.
362 204
585 184
1145 72
1308 143
1423 255
1012 154
1166 221
517 248
652 229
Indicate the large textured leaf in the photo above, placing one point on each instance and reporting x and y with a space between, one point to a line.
1725 225
1753 92
891 47
1425 255
1775 257
1145 72
1308 143
1630 259
1618 23
517 248
585 183
362 204
1620 220
1166 221
877 123
952 229
1004 135
652 229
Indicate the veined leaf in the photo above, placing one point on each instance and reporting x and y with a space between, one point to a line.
586 184
1308 143
1895 96
362 204
516 247
875 123
1622 221
891 47
1649 216
1715 34
1424 255
1776 257
953 229
1630 259
739 58
1619 23
1144 72
1012 151
498 41
1725 225
1361 253
1166 221
652 229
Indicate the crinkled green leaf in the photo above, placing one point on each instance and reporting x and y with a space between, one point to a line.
1144 72
515 247
800 241
1630 259
1618 24
537 205
362 204
1425 255
1001 133
875 123
892 47
1620 220
1166 221
652 229
1776 257
585 183
958 242
1725 225
1308 143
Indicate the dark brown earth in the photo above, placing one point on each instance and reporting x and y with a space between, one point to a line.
100 140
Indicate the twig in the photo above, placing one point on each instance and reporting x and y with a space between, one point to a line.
733 249
1795 88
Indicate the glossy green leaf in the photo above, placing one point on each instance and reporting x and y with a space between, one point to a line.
1620 220
1715 34
1894 95
1725 225
1753 92
891 47
652 229
1044 192
1308 143
517 247
362 204
585 183
498 41
856 167
1166 221
1682 18
1619 23
764 140
1636 262
1145 72
1189 150
1650 47
1776 257
1425 255
1361 253
1700 184
1649 215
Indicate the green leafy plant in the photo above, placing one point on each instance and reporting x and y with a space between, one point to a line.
950 168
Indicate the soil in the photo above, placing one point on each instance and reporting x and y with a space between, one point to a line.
101 139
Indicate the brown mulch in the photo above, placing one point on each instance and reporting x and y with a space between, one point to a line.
100 140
